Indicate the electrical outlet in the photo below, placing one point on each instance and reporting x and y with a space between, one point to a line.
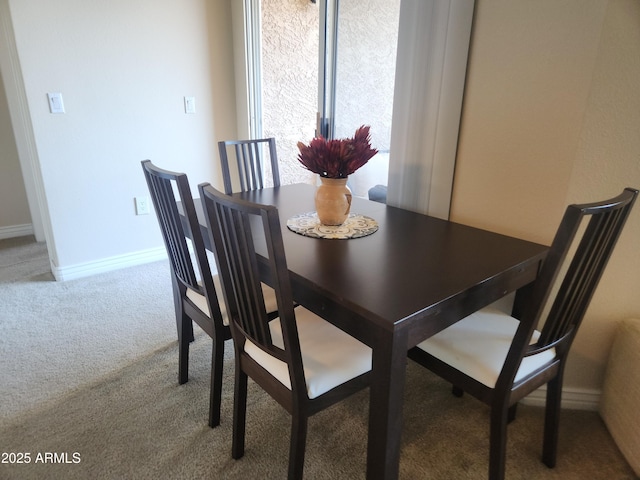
142 205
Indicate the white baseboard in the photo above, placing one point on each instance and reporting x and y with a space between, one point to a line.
109 264
16 231
572 398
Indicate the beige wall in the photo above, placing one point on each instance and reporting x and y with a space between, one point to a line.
14 209
551 117
123 68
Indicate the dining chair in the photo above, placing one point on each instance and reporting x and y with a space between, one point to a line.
304 362
499 359
249 162
195 295
195 288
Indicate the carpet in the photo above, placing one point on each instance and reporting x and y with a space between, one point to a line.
89 390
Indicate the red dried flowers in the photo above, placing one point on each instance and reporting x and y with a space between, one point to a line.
337 158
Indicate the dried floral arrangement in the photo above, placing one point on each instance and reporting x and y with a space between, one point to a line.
337 158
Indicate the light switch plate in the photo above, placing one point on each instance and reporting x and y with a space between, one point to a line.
56 105
189 104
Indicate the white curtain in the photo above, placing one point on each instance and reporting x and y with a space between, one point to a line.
433 45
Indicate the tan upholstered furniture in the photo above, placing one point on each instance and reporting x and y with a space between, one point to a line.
620 404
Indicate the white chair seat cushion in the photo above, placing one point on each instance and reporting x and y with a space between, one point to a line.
478 345
330 356
200 301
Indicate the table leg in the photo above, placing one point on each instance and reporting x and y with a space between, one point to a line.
523 297
385 408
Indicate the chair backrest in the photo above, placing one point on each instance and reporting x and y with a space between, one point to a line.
249 156
176 229
570 274
241 231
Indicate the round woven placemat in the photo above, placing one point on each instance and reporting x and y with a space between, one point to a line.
355 226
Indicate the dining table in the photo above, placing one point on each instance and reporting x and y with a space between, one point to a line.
414 276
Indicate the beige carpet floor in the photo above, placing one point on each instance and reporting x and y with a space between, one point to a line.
133 421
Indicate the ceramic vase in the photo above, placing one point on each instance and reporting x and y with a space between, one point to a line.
333 201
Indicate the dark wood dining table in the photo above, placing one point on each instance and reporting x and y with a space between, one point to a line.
410 279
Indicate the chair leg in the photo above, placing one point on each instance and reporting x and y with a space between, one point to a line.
511 416
298 445
178 293
498 442
185 325
552 420
215 395
239 412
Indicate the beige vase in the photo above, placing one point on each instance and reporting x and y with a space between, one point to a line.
333 201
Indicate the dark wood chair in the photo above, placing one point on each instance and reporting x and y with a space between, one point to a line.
195 296
499 359
249 163
304 362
